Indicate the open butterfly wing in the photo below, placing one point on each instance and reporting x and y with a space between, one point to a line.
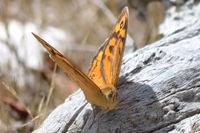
90 89
106 64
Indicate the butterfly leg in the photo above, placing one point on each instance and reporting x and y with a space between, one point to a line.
94 112
126 102
98 121
121 106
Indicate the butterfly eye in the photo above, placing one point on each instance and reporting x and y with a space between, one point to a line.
121 24
110 95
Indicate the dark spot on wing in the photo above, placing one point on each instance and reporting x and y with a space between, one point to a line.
102 66
119 50
123 39
125 25
121 24
111 49
54 52
115 34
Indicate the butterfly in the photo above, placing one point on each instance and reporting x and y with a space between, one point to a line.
99 85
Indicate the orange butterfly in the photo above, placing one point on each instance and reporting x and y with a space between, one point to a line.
99 86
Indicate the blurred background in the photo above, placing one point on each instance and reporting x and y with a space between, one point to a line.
30 84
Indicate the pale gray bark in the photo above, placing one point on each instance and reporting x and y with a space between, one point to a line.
159 84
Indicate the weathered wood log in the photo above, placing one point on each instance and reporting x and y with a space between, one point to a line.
159 86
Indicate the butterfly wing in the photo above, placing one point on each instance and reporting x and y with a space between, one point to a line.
91 90
106 64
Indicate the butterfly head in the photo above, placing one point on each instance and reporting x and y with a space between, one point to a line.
111 96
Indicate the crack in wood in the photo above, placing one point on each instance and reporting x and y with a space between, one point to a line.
73 118
184 116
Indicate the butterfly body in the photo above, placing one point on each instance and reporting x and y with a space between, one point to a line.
99 85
